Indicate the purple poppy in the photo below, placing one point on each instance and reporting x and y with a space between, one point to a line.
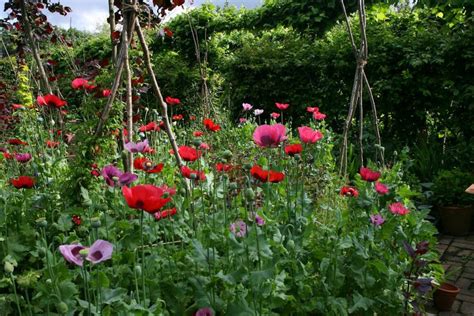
139 147
100 250
206 311
377 219
23 157
114 177
259 220
239 228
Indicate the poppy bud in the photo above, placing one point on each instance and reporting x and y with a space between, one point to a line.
62 308
227 154
225 177
197 142
40 119
233 186
248 166
8 267
42 222
291 244
138 270
95 222
249 194
49 281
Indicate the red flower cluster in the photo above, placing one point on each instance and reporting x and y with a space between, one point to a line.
221 167
143 163
82 84
211 126
51 100
165 213
349 191
189 153
23 182
294 149
152 126
266 175
369 175
192 174
147 197
172 101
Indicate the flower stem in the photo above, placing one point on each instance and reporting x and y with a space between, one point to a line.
16 294
143 257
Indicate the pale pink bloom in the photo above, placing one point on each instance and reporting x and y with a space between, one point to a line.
257 112
247 106
204 146
242 120
269 135
308 135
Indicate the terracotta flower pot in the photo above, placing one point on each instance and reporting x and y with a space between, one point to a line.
445 296
456 220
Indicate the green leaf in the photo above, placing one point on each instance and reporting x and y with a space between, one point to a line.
110 296
67 289
360 302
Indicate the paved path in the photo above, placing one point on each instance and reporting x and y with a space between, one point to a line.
457 255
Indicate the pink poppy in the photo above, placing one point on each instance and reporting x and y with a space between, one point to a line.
282 106
269 135
308 135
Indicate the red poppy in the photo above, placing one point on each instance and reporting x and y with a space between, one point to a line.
50 100
79 83
168 32
7 155
147 197
143 163
51 144
152 126
165 213
211 126
192 174
197 133
282 106
172 101
294 149
105 93
266 175
95 173
16 141
77 220
23 182
349 191
221 167
177 117
189 153
368 174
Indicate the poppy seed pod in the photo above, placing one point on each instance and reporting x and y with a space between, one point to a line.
227 154
233 186
95 222
42 222
62 308
249 194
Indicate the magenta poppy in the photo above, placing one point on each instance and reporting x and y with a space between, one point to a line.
381 188
282 106
308 135
398 209
269 135
369 175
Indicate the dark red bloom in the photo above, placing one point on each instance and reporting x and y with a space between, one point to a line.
349 191
197 133
189 153
192 174
172 101
147 197
177 117
211 126
368 174
16 141
266 175
165 213
294 149
50 100
23 182
223 167
152 126
77 220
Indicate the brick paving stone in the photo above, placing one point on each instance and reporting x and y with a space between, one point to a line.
464 253
445 240
449 314
467 275
456 306
454 258
463 283
465 297
452 250
467 308
463 245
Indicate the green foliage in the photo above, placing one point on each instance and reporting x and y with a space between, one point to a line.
449 188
